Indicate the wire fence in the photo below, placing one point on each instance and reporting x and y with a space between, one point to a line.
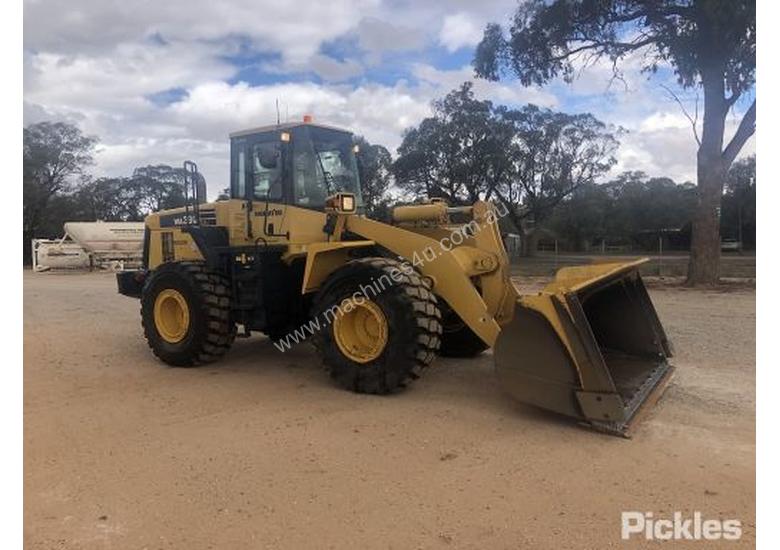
675 264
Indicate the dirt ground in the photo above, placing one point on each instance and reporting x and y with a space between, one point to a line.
262 451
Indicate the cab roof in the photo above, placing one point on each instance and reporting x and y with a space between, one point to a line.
284 126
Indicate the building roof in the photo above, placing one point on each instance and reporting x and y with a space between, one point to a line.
283 126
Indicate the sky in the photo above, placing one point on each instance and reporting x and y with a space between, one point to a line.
166 81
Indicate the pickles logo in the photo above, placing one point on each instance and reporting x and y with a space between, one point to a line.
678 527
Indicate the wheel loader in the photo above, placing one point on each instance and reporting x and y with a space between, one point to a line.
292 255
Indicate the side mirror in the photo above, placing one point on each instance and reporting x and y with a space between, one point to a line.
268 158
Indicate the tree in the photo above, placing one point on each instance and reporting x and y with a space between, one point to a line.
127 198
374 163
649 204
708 43
526 159
550 155
458 153
623 209
148 189
739 202
54 155
108 199
583 216
157 187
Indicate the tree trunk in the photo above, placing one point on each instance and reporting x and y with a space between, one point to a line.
517 223
704 263
530 242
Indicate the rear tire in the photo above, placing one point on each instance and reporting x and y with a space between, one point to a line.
203 301
410 319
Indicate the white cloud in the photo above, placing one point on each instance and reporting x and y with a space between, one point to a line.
380 113
294 30
664 121
376 35
510 93
665 152
664 145
459 30
197 126
334 70
98 63
660 140
326 67
118 78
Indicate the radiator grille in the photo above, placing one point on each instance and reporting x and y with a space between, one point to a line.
208 217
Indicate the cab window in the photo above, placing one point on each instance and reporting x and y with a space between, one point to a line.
238 168
323 164
241 174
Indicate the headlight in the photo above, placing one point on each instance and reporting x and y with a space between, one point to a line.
341 203
347 203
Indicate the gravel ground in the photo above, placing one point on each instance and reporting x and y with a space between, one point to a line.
261 451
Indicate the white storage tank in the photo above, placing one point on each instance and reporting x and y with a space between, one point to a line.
106 245
107 237
48 254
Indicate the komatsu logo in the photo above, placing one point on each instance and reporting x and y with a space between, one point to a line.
272 212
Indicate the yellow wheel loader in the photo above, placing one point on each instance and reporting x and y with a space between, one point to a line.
291 255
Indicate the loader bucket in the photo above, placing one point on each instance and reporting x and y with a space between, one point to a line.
589 345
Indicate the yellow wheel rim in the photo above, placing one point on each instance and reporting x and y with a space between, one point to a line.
360 330
171 315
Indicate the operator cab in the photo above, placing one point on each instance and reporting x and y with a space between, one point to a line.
300 164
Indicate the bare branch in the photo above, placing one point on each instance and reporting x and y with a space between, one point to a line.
692 119
732 99
623 47
746 128
617 74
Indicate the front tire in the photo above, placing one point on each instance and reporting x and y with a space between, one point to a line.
378 345
185 313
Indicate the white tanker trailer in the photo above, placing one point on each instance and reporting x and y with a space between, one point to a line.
89 245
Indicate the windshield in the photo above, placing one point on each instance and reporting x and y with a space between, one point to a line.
324 164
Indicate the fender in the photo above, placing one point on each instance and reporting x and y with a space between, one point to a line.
322 259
